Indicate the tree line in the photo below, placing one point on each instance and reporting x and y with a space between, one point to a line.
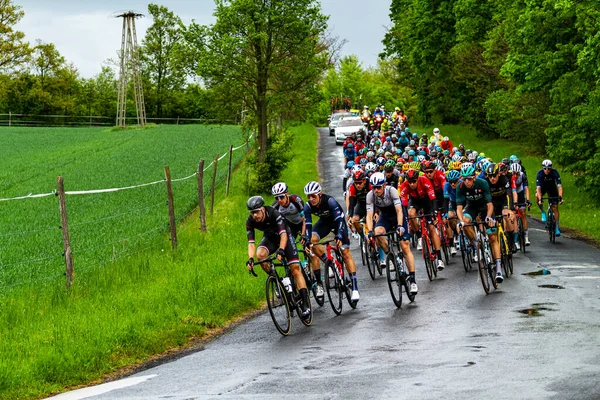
522 70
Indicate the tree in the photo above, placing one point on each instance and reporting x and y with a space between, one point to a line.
161 55
265 54
13 50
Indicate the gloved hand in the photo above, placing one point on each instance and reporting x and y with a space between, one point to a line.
250 263
400 230
304 240
490 221
528 203
460 224
560 200
280 253
370 235
338 240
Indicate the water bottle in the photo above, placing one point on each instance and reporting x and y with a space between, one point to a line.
287 284
399 263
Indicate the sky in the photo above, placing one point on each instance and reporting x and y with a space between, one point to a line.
85 34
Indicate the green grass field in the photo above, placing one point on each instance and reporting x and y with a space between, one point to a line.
104 226
145 302
578 212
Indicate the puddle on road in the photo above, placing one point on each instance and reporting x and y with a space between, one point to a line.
538 272
551 286
535 309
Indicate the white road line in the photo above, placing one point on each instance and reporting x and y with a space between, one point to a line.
582 266
582 277
101 389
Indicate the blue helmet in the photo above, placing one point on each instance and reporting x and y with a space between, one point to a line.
349 146
388 139
363 161
402 134
380 161
350 164
422 153
453 175
411 152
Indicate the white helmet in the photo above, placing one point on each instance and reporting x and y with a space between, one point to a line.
420 158
547 164
279 188
312 188
377 179
436 130
515 167
370 167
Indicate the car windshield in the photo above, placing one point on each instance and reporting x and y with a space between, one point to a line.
340 115
350 122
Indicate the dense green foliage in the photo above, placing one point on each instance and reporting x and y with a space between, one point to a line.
141 305
104 226
522 70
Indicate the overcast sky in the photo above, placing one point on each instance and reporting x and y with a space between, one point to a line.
86 35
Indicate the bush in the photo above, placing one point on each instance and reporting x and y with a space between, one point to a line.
268 172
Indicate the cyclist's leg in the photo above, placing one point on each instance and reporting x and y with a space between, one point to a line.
265 248
382 226
291 254
412 213
521 200
509 227
319 231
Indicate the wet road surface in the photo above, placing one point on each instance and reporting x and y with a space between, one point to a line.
521 341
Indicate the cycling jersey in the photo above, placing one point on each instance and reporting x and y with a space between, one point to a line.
449 197
272 225
438 181
329 211
548 182
479 194
293 213
423 190
501 193
519 181
358 199
386 204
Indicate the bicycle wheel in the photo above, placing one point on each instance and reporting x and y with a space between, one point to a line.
370 262
334 288
521 235
431 251
444 245
279 307
504 252
482 265
313 285
346 282
394 279
363 250
551 225
308 320
491 264
464 252
428 261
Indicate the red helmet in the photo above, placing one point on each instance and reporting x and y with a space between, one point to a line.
427 165
412 174
359 175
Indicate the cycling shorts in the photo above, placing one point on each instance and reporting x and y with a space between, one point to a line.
360 209
422 204
452 206
552 195
322 229
296 229
390 224
499 206
472 212
440 201
291 252
521 199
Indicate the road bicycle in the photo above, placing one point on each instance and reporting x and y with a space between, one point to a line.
309 274
444 240
485 258
550 218
396 269
465 250
520 227
505 248
371 256
337 283
283 296
428 250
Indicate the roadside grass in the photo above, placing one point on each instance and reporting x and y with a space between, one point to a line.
579 212
142 305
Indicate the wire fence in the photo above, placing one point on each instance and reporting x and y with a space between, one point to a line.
135 218
30 120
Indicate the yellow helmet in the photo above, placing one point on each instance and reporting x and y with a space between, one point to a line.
456 165
405 167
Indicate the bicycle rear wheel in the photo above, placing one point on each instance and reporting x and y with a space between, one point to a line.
370 261
464 252
333 285
482 265
428 261
505 254
363 249
521 234
308 320
279 307
394 279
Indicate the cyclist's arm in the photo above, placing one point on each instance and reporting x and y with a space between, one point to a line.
251 250
251 238
351 203
370 208
307 220
559 184
338 214
397 204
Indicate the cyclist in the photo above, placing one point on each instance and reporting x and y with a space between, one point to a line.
386 200
519 181
277 238
548 181
291 207
331 219
503 197
392 176
473 199
450 207
356 201
417 194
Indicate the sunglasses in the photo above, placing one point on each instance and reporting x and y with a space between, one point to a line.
429 171
411 181
469 179
546 169
377 187
492 176
280 197
453 182
254 212
359 182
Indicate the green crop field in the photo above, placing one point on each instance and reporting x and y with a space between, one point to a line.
104 226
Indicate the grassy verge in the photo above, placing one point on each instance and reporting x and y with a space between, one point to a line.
143 305
578 212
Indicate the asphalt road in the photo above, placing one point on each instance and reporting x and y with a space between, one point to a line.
452 342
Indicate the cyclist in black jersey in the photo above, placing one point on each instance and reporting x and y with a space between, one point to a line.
277 238
291 207
356 200
331 219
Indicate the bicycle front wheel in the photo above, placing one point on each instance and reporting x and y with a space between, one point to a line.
279 307
505 253
394 279
464 252
482 265
363 249
521 235
308 320
551 226
428 261
333 285
371 260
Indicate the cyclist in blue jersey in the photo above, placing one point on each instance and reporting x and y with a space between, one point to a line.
548 181
450 204
331 219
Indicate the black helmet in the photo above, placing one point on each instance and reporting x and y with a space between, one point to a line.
492 169
255 203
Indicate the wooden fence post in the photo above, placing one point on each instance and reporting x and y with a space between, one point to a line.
9 118
171 209
229 170
246 163
62 203
212 186
201 195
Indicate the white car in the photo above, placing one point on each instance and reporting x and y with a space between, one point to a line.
335 119
346 127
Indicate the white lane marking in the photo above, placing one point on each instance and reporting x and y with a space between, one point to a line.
582 266
101 389
582 277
